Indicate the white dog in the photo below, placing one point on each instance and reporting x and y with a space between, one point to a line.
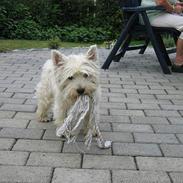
63 80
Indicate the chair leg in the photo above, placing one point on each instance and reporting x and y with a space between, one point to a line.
120 40
145 46
123 49
155 44
163 48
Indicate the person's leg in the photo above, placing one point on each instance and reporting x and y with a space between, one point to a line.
174 21
179 54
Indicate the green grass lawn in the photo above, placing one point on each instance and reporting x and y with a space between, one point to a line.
7 45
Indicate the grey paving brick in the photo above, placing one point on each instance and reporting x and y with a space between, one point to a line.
131 176
155 138
168 128
172 150
38 145
126 112
12 100
18 107
162 113
147 91
39 125
13 158
55 160
124 100
25 174
23 95
131 127
81 176
21 133
140 96
115 119
6 144
5 95
118 136
113 105
149 120
25 115
142 106
108 162
176 121
50 135
155 101
6 114
135 149
80 147
120 90
180 137
172 107
169 97
160 163
13 123
176 177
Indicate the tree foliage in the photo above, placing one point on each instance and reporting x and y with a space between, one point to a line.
70 20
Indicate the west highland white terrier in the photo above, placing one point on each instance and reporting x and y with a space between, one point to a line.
63 80
71 85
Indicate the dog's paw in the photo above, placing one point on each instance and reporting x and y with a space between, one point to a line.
45 119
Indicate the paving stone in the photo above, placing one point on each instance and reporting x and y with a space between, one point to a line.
147 91
25 115
134 149
6 144
50 135
108 162
13 123
81 176
55 160
162 113
18 107
131 127
131 176
172 150
176 177
149 120
160 163
140 96
80 147
39 125
6 94
118 136
6 114
168 128
180 137
105 127
126 112
115 119
21 133
155 138
142 106
124 100
176 121
12 101
155 101
113 105
38 145
13 158
25 174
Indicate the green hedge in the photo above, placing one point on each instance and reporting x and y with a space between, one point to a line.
69 20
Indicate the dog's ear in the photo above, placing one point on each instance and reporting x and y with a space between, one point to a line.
57 58
92 53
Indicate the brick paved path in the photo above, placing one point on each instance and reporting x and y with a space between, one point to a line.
141 111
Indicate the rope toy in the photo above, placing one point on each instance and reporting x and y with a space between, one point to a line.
84 107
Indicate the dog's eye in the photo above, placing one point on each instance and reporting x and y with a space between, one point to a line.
85 75
71 78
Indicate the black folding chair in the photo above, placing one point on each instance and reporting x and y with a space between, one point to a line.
132 11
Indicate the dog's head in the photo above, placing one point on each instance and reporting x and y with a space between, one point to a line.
76 74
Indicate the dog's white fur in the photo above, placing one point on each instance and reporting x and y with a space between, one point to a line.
63 79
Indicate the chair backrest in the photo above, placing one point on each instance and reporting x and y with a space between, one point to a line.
130 3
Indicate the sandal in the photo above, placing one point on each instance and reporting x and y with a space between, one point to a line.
177 68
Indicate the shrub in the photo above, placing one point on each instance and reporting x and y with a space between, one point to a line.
54 43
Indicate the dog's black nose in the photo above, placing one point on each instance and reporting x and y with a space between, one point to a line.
80 91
